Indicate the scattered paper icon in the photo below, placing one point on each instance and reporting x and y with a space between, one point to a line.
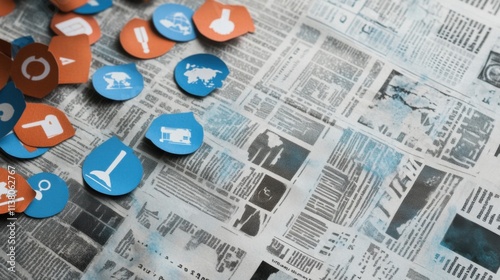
12 146
178 134
51 195
35 71
71 24
73 57
174 22
12 106
139 39
15 192
94 7
120 82
200 74
6 7
67 6
42 125
220 22
112 168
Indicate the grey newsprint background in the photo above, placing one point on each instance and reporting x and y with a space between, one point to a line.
351 140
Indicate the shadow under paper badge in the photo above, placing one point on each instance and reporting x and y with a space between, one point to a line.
491 70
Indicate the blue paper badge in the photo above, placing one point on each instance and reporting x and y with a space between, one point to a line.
178 134
12 146
174 21
12 106
51 195
120 82
200 74
94 7
112 168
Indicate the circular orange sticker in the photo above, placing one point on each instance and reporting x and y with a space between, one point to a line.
35 71
139 39
71 24
6 7
220 22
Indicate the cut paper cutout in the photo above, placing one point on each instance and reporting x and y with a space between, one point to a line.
20 43
178 134
200 74
66 6
51 195
120 82
12 106
112 168
94 7
7 7
42 125
139 39
220 22
73 55
174 22
15 192
12 146
72 24
35 71
5 65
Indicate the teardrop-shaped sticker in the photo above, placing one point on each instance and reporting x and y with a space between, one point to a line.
174 22
15 192
12 146
119 82
42 125
51 195
12 106
112 168
178 134
200 74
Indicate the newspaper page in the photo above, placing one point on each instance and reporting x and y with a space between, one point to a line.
351 140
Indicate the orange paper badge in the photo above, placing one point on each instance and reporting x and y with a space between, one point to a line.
5 64
42 125
73 56
35 71
220 22
6 7
71 24
139 39
68 5
15 192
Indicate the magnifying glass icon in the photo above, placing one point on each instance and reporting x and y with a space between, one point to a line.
43 185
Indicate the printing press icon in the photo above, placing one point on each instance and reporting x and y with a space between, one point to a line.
179 136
